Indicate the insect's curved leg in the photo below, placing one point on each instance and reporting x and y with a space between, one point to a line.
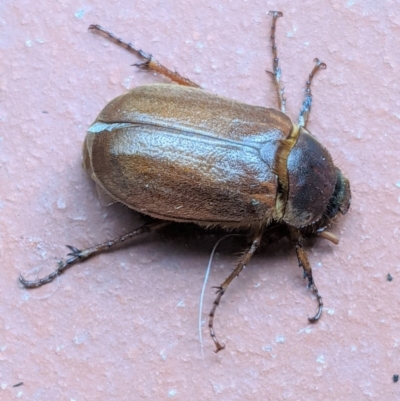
77 256
305 264
277 72
306 107
150 62
222 288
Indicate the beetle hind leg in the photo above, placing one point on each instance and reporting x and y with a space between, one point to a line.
223 287
277 72
77 256
305 264
306 106
150 62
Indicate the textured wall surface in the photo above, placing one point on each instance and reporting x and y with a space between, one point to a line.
124 325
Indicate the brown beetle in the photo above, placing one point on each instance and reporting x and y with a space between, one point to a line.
177 153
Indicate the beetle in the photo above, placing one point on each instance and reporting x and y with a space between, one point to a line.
179 154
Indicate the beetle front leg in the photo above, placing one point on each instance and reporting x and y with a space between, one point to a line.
277 72
306 107
150 62
223 287
77 256
305 264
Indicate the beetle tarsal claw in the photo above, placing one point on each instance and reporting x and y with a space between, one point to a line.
319 63
22 280
316 317
276 14
219 346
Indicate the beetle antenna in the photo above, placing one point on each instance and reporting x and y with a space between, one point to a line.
306 107
329 236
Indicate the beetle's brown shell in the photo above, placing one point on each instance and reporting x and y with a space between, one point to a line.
182 154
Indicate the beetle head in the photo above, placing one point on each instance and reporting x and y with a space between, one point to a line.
317 190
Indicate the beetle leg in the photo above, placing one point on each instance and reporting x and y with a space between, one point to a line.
223 287
306 107
305 264
77 255
150 62
277 72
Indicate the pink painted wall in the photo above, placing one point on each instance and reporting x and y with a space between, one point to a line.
123 326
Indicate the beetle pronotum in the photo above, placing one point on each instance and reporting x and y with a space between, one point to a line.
178 153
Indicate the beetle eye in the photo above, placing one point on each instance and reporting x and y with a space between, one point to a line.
341 198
